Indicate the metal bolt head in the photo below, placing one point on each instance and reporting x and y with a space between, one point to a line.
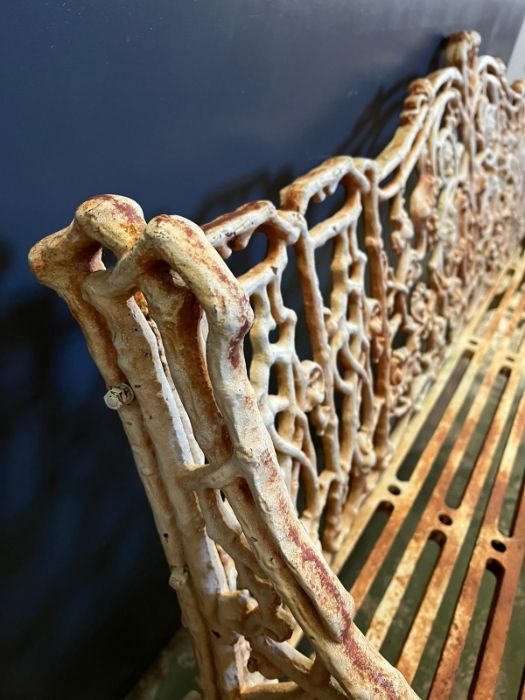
118 396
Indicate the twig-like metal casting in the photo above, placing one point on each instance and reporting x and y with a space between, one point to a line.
255 475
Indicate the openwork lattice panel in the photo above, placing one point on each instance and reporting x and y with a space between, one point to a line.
347 328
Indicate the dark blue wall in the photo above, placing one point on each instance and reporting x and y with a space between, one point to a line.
190 107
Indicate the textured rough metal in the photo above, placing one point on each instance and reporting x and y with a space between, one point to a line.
261 479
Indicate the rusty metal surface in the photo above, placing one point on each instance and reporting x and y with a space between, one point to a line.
497 352
263 479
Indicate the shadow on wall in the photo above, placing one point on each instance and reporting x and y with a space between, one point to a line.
371 132
80 555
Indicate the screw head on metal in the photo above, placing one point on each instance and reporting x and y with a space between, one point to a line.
118 396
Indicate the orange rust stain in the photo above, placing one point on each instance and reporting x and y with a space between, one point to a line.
126 209
232 216
308 554
367 667
235 353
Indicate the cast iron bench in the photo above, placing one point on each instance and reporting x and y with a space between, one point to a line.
370 425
